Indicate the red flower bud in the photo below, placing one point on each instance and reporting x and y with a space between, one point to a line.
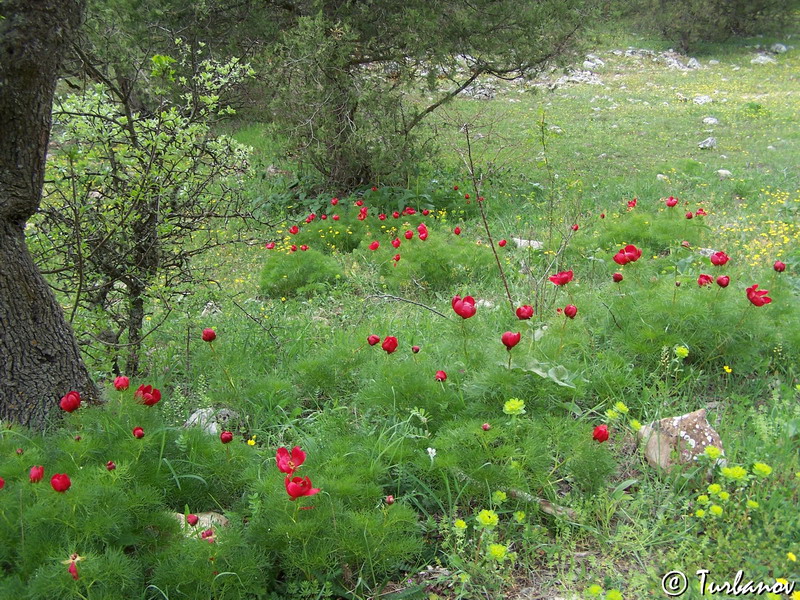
70 402
524 312
138 433
510 339
110 465
571 310
389 344
60 482
440 376
373 339
209 335
502 243
389 499
779 266
723 281
122 383
617 277
226 437
415 349
36 474
457 230
192 519
600 433
486 427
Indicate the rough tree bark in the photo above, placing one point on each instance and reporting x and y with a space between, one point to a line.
39 358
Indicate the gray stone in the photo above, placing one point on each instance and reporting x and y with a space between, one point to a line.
762 59
711 121
533 244
211 420
702 99
778 48
724 174
693 63
679 440
709 142
713 62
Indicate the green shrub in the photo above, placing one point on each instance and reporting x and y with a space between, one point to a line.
298 274
440 263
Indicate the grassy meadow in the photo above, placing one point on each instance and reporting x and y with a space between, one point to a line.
486 480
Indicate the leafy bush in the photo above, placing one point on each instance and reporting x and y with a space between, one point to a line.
440 263
298 273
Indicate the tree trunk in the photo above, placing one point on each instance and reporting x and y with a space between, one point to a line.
39 358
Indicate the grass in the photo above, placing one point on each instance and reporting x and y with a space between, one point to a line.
297 370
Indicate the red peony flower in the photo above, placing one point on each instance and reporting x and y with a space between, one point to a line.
423 236
575 227
396 243
466 196
389 344
409 211
600 433
2 483
396 258
36 474
457 230
375 245
110 465
138 433
502 243
192 519
632 203
426 212
389 500
382 216
359 202
571 310
524 312
294 229
700 213
323 217
562 278
373 339
293 248
779 266
723 281
690 215
60 482
334 201
758 297
147 395
374 189
510 339
335 217
719 258
704 280
209 335
70 402
303 248
415 349
20 451
440 376
671 202
602 215
617 277
288 463
122 383
486 427
409 234
298 487
226 437
395 215
73 570
455 188
628 254
464 307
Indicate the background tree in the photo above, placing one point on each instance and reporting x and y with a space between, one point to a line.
39 358
132 196
354 80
